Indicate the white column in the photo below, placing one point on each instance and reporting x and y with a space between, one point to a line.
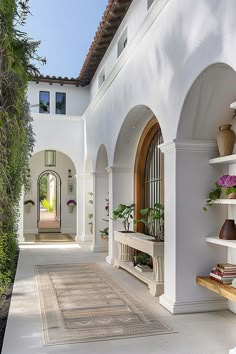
120 191
100 190
188 179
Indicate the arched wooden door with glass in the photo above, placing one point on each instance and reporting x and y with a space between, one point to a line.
149 171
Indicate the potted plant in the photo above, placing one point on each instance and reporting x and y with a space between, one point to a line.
105 232
124 215
153 219
28 204
90 215
143 262
225 185
71 204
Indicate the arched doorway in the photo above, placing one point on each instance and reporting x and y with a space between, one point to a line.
49 202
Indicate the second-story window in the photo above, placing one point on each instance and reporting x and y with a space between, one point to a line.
44 102
149 3
122 43
60 103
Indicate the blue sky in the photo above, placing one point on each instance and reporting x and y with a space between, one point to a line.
66 29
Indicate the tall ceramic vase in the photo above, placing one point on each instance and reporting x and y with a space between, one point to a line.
228 230
225 140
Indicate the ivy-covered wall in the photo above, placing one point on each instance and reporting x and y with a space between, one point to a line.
16 135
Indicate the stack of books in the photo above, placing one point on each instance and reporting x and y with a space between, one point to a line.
224 273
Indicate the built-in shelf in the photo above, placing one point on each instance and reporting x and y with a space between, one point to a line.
225 201
226 291
217 241
146 277
230 159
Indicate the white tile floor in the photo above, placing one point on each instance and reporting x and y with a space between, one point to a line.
204 333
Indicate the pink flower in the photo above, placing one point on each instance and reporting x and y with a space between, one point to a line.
230 181
221 180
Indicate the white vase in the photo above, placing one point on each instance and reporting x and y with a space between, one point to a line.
27 208
70 207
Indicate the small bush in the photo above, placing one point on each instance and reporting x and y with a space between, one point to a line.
46 205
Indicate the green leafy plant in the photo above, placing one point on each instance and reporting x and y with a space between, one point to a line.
104 232
46 204
153 219
124 215
142 259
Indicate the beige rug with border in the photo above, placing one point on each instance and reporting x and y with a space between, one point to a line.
53 237
82 303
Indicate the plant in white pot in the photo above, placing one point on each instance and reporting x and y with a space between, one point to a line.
28 204
71 204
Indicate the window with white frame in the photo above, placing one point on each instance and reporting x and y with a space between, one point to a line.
101 77
122 43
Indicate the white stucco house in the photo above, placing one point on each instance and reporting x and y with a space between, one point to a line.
160 77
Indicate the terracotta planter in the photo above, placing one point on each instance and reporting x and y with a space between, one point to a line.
228 230
104 237
232 195
225 140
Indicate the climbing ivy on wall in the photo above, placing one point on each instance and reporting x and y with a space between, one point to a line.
16 136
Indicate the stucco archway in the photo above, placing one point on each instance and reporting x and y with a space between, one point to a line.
65 168
101 195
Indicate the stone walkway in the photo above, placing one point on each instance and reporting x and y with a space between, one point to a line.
196 333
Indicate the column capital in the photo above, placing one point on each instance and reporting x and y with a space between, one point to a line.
189 145
119 169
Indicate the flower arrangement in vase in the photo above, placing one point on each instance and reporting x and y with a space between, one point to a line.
71 204
226 186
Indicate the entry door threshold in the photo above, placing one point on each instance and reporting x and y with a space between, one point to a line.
53 231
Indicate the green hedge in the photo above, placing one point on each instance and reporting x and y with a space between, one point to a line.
16 135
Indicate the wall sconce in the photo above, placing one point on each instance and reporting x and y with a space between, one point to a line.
69 174
28 173
50 158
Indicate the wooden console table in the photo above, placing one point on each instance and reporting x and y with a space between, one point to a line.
127 244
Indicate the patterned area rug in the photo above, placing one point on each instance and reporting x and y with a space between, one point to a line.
53 237
82 303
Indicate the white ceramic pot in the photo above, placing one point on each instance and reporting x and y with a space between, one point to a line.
70 208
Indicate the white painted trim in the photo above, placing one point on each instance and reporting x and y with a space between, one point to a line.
230 159
117 169
149 19
192 306
189 145
56 117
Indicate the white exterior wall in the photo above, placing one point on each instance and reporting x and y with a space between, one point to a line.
168 48
76 97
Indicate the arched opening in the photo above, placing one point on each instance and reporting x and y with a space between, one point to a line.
101 202
148 170
49 202
53 197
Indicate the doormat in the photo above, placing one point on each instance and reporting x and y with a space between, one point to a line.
82 303
53 237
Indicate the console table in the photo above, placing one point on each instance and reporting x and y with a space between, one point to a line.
127 244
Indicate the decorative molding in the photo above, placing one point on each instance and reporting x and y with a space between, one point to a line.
110 260
149 19
181 307
189 145
56 117
117 169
